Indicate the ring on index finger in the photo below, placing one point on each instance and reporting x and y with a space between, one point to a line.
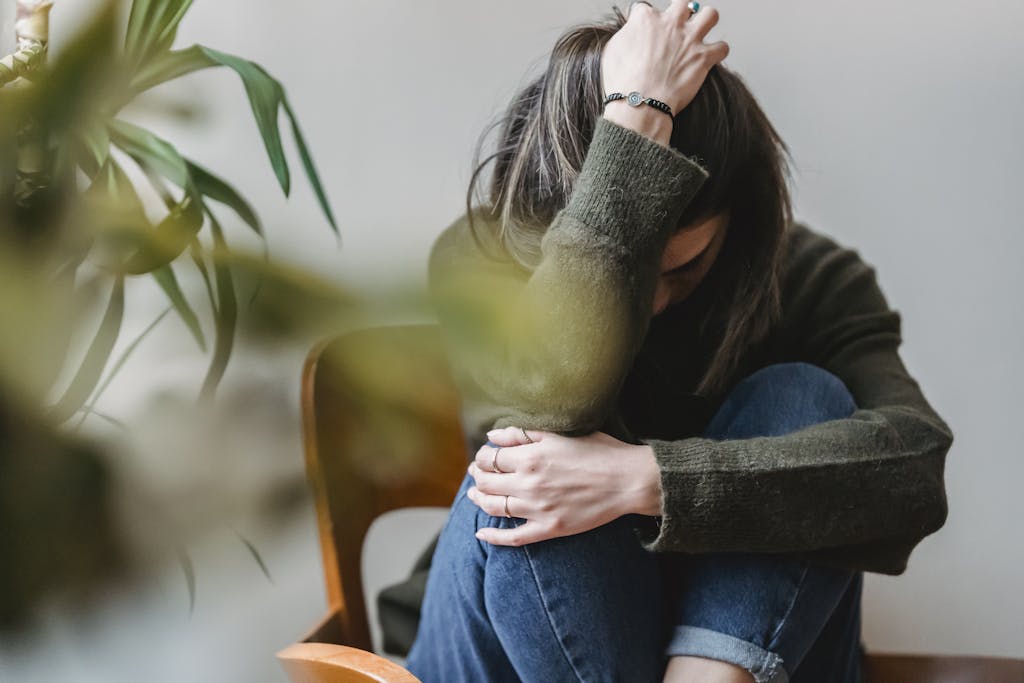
494 461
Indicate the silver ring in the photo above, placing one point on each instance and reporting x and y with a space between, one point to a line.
494 461
693 6
507 513
526 436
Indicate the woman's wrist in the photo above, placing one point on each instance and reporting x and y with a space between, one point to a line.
645 120
645 483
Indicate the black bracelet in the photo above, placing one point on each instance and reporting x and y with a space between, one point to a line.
635 99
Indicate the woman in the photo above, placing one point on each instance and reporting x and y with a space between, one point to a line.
693 432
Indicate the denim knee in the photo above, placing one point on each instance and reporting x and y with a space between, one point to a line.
815 385
781 398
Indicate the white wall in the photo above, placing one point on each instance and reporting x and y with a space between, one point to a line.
904 119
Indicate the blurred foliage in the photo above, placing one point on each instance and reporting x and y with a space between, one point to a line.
80 206
75 231
56 520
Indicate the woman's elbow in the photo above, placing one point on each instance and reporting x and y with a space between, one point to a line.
935 512
939 507
930 504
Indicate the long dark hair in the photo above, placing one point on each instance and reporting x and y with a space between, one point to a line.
545 133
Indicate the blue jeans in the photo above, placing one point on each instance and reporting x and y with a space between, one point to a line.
597 607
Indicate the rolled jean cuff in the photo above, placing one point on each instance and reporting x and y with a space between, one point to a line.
694 641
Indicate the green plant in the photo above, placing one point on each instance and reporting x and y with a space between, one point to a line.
74 233
67 200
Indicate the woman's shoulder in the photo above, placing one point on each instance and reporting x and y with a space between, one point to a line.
820 274
810 252
805 241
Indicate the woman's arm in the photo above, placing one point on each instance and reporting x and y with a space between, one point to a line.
549 349
859 492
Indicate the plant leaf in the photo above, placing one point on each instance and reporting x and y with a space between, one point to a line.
174 233
168 66
197 257
174 12
310 168
72 88
227 312
90 409
150 149
219 190
266 97
259 276
185 560
161 246
95 358
256 555
108 418
113 183
152 25
164 276
95 141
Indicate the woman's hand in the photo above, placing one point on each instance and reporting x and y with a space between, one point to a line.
661 54
561 485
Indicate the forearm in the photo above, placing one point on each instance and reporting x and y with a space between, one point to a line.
875 476
549 350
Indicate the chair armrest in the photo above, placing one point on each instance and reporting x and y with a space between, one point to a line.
326 663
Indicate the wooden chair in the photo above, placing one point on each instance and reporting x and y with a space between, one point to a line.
382 432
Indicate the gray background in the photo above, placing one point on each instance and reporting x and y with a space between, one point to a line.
904 120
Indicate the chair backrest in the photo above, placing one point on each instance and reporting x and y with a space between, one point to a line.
381 431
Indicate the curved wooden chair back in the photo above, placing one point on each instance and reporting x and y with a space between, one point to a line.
381 430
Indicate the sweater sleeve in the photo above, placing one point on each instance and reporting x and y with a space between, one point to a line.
859 492
549 349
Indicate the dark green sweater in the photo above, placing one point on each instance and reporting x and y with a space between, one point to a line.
571 347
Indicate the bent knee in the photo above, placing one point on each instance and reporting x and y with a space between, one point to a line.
809 388
781 398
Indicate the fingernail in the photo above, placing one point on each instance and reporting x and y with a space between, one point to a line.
492 432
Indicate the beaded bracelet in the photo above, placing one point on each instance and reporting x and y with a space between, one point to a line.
635 99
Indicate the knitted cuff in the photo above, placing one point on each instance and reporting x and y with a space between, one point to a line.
633 188
693 518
